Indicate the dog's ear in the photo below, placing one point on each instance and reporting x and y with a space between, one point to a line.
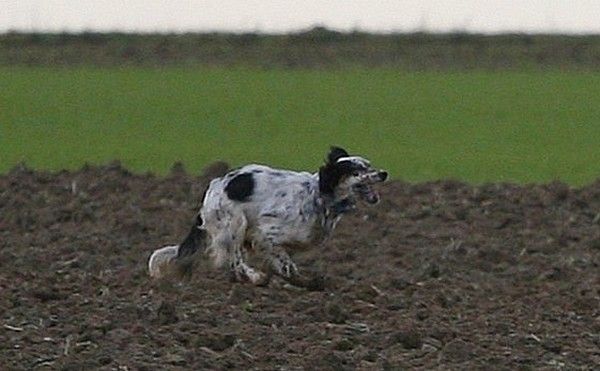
335 153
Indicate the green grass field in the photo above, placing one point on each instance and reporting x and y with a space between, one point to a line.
474 126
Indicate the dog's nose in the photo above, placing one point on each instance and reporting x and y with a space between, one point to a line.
383 175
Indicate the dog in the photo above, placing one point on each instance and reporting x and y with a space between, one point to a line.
269 211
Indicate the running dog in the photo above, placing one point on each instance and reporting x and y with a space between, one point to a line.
269 211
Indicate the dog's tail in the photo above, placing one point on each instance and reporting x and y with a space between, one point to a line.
161 259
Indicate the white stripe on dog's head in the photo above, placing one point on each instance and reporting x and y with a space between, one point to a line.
357 160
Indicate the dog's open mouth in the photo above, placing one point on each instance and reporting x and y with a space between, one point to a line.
367 193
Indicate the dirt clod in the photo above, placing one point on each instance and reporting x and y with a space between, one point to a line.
344 345
458 350
215 341
335 313
410 338
167 313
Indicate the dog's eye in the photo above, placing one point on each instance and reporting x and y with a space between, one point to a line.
356 173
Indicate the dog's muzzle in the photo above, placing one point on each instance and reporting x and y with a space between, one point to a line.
366 191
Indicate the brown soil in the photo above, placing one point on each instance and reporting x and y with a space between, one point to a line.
440 275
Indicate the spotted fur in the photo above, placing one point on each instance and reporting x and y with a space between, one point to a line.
270 211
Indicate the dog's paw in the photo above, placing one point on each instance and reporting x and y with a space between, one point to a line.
260 279
236 276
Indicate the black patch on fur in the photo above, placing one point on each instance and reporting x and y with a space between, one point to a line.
257 171
342 206
335 153
194 241
331 174
240 187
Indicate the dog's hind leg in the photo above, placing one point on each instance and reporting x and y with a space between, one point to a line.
227 249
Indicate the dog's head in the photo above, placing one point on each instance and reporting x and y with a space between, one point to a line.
345 176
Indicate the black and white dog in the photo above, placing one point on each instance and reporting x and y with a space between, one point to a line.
260 209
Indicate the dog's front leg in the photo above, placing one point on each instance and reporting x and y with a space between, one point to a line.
280 263
241 271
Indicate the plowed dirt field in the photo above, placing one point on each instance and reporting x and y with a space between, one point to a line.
439 275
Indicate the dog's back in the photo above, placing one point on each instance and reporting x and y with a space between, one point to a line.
279 201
